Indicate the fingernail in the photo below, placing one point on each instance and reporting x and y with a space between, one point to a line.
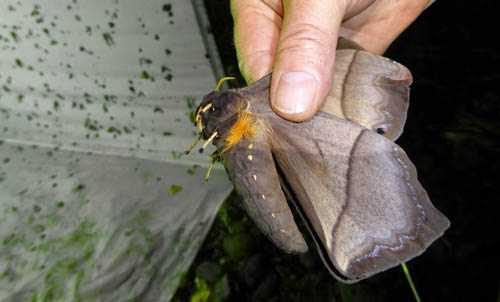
296 92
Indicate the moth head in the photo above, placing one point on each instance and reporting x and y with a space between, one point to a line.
218 112
223 120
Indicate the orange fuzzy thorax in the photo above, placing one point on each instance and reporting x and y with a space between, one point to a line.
245 126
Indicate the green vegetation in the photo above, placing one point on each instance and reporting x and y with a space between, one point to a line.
174 189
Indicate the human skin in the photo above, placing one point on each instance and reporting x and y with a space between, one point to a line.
296 40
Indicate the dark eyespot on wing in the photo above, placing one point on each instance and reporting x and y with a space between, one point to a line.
380 130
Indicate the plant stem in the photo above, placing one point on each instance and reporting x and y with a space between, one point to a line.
413 288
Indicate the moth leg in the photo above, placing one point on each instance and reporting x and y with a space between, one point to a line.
211 138
196 141
209 169
250 166
215 158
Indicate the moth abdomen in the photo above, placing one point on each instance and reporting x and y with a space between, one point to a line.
251 168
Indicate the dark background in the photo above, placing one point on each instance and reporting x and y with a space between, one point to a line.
452 135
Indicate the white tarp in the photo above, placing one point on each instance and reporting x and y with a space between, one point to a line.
97 201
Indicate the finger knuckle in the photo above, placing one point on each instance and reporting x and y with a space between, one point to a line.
308 40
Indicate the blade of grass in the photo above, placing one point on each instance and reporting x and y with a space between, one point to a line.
413 288
498 298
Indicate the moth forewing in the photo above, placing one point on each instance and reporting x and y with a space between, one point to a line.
369 90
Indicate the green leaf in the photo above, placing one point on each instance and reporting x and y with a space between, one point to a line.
108 39
202 293
192 117
237 246
146 176
174 189
80 187
190 102
222 289
236 227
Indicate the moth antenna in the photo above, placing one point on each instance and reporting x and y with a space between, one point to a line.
198 113
198 122
208 106
194 144
208 141
222 81
198 116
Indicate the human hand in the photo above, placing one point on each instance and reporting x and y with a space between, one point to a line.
296 40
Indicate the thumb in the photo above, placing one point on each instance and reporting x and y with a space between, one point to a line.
303 67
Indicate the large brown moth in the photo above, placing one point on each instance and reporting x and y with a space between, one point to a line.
356 188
